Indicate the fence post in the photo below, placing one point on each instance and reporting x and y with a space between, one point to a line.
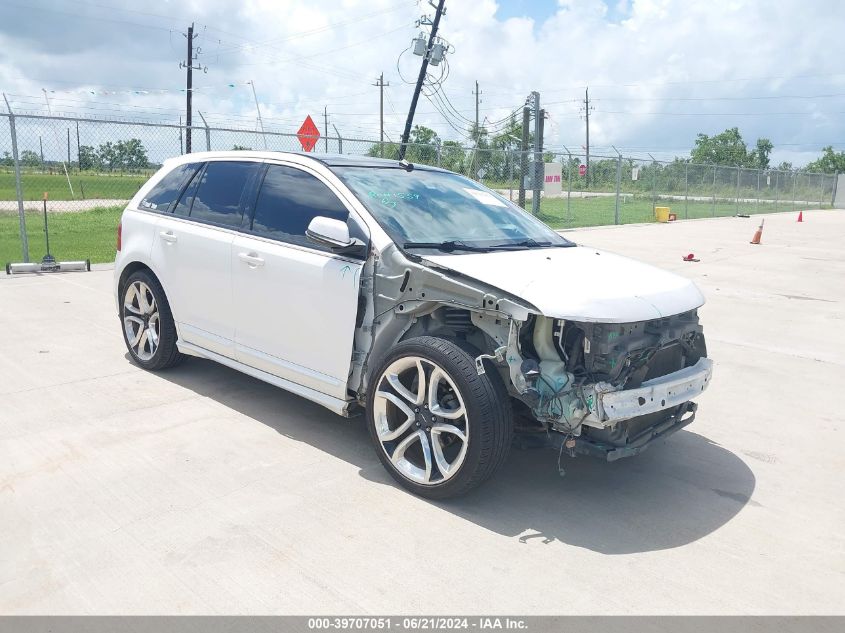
738 174
653 184
794 178
207 133
686 191
618 184
510 177
568 184
439 153
758 190
713 214
821 190
18 188
777 192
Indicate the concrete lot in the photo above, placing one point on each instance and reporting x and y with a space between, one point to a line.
201 490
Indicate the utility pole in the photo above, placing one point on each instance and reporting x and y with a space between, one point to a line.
258 110
189 65
476 131
420 78
523 155
477 93
326 126
380 85
587 108
537 160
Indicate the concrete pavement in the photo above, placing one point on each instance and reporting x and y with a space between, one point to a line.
200 490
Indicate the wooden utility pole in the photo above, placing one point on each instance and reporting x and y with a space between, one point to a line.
380 85
420 78
587 109
189 66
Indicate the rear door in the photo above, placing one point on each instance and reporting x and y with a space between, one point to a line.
193 247
295 302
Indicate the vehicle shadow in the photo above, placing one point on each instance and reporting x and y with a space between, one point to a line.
673 494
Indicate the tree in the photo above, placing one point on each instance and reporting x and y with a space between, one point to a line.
726 148
759 156
240 148
88 158
29 158
7 160
829 162
423 148
452 156
785 166
131 154
107 155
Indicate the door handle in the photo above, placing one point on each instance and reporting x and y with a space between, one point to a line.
168 236
252 259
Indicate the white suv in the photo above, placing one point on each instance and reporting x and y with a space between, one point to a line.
452 317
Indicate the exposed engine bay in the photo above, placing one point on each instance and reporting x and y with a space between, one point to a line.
577 372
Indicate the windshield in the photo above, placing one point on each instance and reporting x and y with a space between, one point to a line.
443 211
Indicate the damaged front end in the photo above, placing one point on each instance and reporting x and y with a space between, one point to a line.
609 389
598 388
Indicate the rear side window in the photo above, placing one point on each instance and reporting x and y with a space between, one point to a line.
220 192
289 199
164 194
183 207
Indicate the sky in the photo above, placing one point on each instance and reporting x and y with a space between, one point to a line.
658 71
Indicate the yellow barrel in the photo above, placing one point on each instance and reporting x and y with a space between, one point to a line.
661 214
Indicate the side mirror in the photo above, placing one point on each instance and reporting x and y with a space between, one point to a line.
334 234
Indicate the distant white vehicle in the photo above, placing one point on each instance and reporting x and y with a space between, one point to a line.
451 316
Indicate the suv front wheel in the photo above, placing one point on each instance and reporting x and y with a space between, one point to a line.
439 427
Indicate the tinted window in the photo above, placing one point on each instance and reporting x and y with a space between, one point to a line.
289 199
183 207
221 188
167 190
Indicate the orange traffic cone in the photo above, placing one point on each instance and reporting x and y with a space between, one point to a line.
759 234
800 216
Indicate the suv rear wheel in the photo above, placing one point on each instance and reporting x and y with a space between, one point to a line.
148 327
439 427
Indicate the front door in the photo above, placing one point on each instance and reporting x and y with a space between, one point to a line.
295 302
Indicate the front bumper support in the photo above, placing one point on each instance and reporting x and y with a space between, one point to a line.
657 394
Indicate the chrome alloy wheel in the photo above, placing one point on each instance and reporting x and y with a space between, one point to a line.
141 320
420 420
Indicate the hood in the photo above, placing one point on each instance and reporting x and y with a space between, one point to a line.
580 283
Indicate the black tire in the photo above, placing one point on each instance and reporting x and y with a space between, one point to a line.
166 353
489 415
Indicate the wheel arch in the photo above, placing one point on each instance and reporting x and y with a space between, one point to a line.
133 267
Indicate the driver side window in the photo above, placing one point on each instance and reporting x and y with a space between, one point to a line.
288 200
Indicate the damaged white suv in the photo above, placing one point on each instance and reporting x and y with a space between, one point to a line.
452 317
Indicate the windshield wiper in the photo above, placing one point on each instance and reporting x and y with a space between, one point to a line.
531 243
447 246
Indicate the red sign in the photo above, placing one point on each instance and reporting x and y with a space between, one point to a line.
308 134
582 170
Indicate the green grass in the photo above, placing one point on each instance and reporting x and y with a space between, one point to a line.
88 186
73 236
600 211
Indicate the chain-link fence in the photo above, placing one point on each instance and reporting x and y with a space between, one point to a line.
97 165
